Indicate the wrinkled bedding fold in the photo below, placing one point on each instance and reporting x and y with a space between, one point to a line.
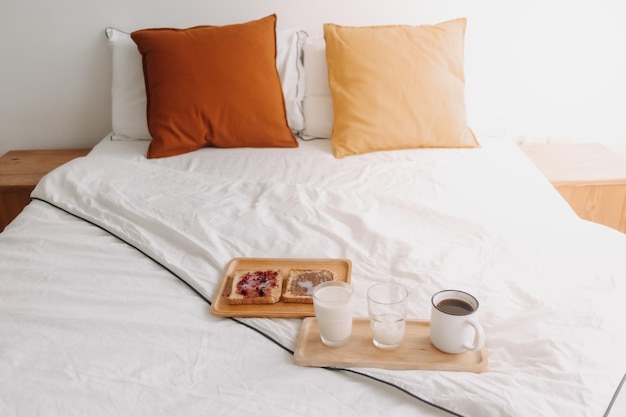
481 220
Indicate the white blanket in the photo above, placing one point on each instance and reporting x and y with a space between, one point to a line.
480 220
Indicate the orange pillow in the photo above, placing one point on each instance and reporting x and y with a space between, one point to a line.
213 86
397 87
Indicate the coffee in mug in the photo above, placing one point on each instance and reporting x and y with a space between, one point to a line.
455 307
453 328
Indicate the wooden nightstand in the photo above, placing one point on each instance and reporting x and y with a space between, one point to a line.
588 176
20 171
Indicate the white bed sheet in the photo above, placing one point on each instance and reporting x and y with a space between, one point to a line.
108 331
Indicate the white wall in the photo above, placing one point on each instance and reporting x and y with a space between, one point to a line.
537 69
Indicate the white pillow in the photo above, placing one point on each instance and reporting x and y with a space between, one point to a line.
318 102
128 90
289 55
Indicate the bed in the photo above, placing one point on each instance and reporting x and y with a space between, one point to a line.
108 277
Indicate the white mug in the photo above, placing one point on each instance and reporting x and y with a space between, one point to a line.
453 328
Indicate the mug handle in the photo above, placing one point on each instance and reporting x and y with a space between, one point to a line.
480 336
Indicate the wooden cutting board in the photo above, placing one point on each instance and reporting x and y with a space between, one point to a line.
220 306
415 352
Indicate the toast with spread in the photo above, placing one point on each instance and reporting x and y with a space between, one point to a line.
300 283
256 287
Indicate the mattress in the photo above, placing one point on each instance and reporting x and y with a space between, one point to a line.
108 275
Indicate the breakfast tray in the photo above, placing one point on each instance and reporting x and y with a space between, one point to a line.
415 352
220 306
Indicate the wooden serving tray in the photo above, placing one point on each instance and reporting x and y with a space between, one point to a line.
415 352
220 306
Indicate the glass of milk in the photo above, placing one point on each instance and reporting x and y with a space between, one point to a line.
387 305
332 302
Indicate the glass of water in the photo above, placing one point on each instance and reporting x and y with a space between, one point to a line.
387 305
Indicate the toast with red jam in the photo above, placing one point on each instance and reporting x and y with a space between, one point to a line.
256 287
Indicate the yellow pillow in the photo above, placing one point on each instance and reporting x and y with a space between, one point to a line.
397 87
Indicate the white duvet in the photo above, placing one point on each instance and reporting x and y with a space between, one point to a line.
90 325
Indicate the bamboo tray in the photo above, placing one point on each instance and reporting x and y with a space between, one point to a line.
415 352
220 306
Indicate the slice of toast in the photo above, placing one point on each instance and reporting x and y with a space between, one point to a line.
300 284
256 287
